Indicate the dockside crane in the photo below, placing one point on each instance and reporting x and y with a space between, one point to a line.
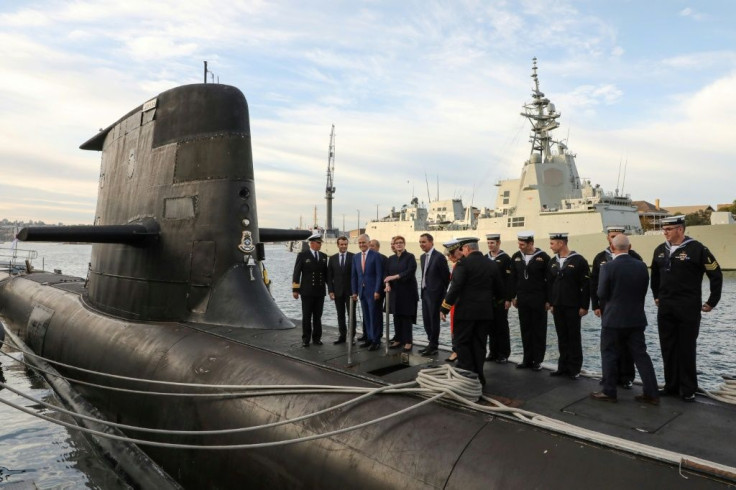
330 231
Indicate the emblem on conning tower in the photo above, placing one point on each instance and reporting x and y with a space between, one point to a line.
246 243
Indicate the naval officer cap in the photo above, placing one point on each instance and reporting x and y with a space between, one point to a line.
315 238
558 236
467 239
525 236
616 229
451 245
674 220
493 236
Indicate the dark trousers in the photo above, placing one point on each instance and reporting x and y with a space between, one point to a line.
312 317
567 324
371 317
470 345
679 326
342 303
614 341
533 325
499 341
431 315
402 324
626 370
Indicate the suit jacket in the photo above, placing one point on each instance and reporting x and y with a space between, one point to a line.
310 274
476 283
622 288
372 279
338 278
437 275
595 272
404 296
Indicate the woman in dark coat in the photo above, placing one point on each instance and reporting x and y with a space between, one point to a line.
401 283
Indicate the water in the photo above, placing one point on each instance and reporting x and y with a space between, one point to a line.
54 457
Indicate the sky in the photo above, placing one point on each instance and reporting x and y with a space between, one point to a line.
423 94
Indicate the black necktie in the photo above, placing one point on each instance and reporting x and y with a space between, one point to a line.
342 261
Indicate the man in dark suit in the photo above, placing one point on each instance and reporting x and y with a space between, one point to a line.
339 268
622 288
626 370
476 283
366 284
435 279
310 275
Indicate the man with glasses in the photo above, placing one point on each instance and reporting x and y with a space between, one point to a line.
366 284
678 266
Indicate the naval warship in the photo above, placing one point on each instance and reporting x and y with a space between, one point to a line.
174 338
548 197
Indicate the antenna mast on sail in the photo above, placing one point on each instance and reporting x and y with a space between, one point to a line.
330 188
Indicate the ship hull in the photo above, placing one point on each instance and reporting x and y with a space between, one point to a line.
436 446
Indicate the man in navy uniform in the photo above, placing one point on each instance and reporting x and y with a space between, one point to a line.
621 292
499 341
678 266
626 363
528 285
476 283
310 275
568 286
435 278
339 268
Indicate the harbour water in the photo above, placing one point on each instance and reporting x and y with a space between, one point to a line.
54 457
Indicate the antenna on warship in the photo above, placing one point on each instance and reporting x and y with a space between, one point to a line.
330 188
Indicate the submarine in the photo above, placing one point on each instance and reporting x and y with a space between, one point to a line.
175 304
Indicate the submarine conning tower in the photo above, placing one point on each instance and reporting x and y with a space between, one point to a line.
179 170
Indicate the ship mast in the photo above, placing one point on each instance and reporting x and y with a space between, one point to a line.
330 188
543 117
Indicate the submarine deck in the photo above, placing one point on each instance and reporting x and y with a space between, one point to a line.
703 429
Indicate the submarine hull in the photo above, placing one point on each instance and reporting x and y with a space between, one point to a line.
435 446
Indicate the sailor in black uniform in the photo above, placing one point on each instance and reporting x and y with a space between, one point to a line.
476 283
310 275
568 286
678 266
528 288
499 342
626 370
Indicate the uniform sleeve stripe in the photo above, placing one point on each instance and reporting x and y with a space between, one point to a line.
712 266
446 305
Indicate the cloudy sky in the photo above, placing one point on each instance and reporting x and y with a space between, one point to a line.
414 88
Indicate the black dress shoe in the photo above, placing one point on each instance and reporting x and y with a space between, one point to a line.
627 384
374 347
430 352
305 344
362 338
366 344
339 341
522 365
317 342
602 397
503 360
647 399
558 373
667 392
489 358
536 367
574 376
688 398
